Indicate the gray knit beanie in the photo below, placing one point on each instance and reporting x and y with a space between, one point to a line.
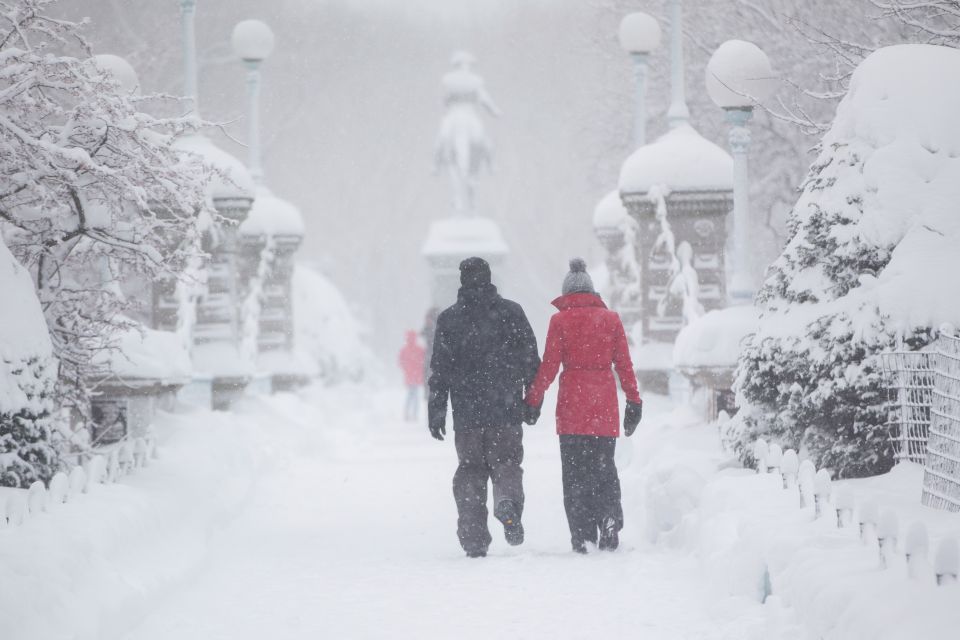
578 280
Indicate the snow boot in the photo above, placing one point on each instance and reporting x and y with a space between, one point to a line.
506 512
478 553
609 536
579 546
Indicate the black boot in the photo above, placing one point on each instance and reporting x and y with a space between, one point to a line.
609 535
579 546
479 553
507 512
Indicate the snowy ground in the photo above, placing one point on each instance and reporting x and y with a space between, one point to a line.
349 533
325 516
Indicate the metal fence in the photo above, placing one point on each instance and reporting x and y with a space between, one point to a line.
941 478
910 376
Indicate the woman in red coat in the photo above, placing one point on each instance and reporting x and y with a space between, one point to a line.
411 361
588 339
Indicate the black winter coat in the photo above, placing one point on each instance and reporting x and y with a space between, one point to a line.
484 356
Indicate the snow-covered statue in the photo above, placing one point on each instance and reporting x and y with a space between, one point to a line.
463 148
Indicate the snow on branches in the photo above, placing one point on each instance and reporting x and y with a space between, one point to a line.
90 186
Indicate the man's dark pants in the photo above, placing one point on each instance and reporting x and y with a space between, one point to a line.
486 453
591 487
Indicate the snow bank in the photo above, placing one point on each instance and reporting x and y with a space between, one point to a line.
93 567
23 334
326 331
753 540
715 339
681 160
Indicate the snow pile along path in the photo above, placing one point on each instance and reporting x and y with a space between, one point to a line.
753 538
93 567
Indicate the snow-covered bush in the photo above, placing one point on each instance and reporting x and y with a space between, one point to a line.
326 330
872 247
27 378
91 188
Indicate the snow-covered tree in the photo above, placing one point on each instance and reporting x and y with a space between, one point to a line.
90 188
872 238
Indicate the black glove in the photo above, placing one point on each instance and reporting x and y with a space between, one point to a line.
631 417
438 427
530 414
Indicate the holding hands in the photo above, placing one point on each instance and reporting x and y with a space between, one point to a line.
530 414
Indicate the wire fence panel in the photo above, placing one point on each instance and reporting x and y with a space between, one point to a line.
910 379
941 478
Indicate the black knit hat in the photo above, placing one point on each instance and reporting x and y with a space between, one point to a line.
474 272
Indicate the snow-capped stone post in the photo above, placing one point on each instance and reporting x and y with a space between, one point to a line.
805 480
761 451
887 530
869 514
639 35
221 372
946 563
252 42
739 76
269 238
789 468
916 547
844 503
822 486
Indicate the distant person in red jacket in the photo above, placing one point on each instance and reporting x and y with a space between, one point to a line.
588 339
411 360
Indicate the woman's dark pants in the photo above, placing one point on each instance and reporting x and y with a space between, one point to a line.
591 487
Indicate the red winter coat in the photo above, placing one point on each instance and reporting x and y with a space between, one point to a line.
587 338
411 360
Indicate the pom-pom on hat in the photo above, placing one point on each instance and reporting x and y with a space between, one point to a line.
578 280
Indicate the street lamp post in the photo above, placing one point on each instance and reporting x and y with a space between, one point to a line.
252 42
739 76
639 34
188 12
679 113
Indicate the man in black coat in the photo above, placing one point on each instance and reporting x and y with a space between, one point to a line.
484 357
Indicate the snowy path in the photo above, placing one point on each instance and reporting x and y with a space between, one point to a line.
351 535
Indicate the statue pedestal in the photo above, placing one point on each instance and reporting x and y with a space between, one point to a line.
452 240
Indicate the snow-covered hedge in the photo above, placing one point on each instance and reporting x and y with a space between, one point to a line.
27 379
871 255
326 330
